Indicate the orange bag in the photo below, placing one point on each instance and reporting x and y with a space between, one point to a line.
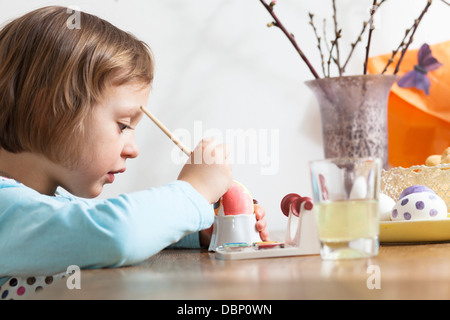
418 124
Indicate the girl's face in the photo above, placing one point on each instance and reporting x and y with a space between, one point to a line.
109 140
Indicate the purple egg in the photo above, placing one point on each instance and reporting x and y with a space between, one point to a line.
415 189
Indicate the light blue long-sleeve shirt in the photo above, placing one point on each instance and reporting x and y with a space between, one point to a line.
42 235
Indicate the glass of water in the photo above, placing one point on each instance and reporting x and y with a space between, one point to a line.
346 206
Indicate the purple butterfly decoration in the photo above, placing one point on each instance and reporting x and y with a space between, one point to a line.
418 77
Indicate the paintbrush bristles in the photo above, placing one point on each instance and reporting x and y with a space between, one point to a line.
166 131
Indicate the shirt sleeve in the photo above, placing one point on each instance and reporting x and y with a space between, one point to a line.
42 235
190 241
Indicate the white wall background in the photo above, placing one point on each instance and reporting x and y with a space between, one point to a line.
218 63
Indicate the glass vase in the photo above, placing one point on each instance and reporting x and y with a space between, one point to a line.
353 113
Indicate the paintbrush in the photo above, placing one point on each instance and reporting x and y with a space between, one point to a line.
167 132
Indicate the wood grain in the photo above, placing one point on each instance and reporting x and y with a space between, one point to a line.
420 271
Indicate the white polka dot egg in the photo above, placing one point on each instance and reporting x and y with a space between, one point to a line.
419 203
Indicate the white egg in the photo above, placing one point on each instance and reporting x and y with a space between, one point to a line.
385 205
419 206
359 189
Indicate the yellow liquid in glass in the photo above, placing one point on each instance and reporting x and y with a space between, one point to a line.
341 221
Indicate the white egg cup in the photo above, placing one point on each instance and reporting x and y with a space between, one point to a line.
232 229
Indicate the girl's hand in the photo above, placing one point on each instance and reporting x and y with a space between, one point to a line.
261 222
208 171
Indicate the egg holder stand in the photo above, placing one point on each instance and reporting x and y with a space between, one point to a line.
234 235
301 236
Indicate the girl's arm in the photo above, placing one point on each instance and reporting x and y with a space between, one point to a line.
42 235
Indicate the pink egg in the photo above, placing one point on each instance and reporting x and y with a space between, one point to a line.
237 200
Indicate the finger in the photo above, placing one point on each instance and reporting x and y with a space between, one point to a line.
207 144
261 225
226 150
203 151
260 212
264 235
212 152
207 140
221 152
197 156
203 143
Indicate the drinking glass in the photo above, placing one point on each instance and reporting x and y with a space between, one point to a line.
345 194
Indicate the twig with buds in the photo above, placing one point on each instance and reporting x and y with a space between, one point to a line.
326 40
394 52
337 33
319 41
334 44
414 28
372 12
278 24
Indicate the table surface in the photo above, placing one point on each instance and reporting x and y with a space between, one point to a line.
414 271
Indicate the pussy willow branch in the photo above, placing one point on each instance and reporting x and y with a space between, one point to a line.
359 38
324 30
402 44
278 24
330 50
319 42
336 59
371 27
354 45
333 45
326 40
414 28
337 33
394 52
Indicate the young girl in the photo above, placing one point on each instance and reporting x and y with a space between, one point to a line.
69 103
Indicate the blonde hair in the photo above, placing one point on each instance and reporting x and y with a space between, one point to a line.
51 76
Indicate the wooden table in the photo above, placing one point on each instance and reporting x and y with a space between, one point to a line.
419 271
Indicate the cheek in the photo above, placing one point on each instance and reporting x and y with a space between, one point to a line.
102 145
102 156
95 158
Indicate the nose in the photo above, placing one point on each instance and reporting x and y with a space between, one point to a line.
130 149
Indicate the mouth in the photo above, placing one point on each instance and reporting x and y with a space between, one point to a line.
111 174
